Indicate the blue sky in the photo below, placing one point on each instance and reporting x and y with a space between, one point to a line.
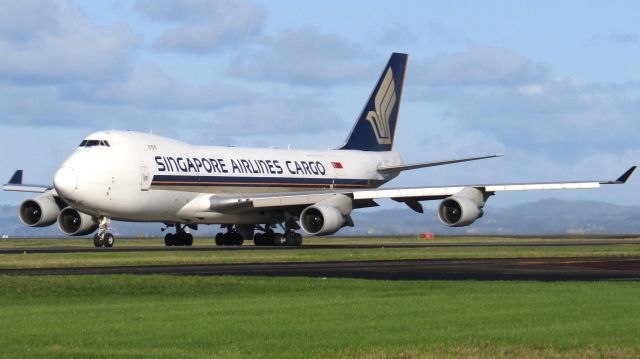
552 85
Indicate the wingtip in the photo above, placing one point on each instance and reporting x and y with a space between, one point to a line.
625 176
16 178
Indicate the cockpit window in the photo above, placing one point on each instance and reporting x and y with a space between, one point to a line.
91 143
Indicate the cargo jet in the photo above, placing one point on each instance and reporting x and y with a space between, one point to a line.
264 195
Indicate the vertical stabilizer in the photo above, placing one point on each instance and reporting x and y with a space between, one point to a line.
376 126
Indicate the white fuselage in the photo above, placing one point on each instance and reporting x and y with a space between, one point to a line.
135 176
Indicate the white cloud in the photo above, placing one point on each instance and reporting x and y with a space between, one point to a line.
527 107
304 56
204 26
59 43
478 65
560 116
149 87
626 38
395 34
277 114
28 19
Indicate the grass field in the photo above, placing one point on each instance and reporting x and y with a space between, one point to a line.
126 316
110 258
206 241
203 317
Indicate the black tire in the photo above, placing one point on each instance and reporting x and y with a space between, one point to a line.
290 239
278 240
297 239
188 239
169 240
237 239
108 240
258 239
96 241
219 239
269 239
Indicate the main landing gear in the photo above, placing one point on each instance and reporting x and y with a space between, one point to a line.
104 237
180 238
231 238
262 236
270 238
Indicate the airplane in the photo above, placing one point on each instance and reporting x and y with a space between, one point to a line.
250 192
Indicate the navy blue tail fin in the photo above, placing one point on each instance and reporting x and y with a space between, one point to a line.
376 126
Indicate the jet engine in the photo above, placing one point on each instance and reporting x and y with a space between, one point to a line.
461 209
327 216
76 223
41 211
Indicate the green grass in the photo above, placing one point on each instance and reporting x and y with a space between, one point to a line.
237 317
107 258
205 241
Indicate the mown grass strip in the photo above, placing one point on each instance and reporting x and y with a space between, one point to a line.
236 317
107 258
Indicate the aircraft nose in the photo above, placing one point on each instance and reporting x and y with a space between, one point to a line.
65 181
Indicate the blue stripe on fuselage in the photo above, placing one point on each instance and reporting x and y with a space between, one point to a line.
177 180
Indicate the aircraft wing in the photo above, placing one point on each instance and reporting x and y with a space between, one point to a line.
366 197
15 184
413 166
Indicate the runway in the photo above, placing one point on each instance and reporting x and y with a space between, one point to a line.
544 269
89 248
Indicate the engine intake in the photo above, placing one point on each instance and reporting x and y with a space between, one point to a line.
41 211
461 209
327 216
74 223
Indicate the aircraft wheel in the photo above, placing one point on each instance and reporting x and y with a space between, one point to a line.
169 239
258 239
108 240
96 241
237 239
279 240
290 239
219 239
297 239
188 240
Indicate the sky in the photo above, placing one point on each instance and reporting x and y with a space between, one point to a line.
554 86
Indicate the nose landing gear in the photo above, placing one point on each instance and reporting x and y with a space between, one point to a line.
104 237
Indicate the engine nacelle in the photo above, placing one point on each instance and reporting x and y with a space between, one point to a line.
461 209
41 211
74 223
327 216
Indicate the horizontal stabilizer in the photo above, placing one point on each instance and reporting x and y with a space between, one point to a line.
399 168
